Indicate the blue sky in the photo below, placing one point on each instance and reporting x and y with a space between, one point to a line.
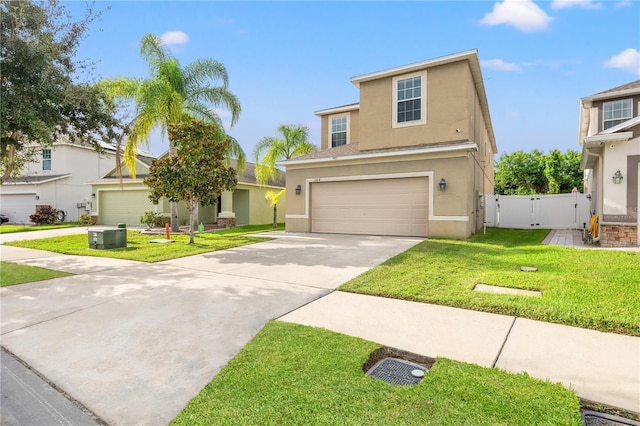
288 59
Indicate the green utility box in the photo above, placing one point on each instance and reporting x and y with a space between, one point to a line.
102 239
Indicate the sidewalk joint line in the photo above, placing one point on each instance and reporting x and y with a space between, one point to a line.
495 361
54 318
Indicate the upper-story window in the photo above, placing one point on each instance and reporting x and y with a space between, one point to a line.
409 106
338 130
46 159
616 112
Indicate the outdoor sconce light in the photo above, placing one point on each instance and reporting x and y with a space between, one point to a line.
617 177
443 184
298 190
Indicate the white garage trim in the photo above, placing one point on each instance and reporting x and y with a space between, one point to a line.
429 175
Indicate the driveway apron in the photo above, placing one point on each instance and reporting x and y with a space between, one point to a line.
134 342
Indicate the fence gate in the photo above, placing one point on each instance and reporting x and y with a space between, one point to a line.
557 211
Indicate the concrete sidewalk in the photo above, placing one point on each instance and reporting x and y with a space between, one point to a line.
601 367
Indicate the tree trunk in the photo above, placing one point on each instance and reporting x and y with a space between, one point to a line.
275 215
192 207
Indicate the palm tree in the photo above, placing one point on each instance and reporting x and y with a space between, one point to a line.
171 94
270 150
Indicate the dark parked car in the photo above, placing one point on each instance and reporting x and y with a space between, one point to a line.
3 219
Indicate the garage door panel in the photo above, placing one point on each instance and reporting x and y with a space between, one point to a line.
124 207
378 207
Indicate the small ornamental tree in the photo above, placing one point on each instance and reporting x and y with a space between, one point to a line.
197 173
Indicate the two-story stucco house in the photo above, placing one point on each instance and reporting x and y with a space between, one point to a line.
57 177
414 157
610 138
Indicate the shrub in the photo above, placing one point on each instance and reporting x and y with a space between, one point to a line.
152 219
44 215
86 219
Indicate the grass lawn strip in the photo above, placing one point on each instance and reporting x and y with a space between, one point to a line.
9 229
139 248
596 289
293 375
15 273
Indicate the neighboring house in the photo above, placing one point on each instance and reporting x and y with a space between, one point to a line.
610 138
414 157
125 200
58 177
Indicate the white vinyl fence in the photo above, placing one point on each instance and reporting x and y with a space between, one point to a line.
558 211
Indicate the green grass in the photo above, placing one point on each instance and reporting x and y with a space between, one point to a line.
139 248
597 289
295 375
8 229
14 273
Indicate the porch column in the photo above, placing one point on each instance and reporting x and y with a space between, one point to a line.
227 217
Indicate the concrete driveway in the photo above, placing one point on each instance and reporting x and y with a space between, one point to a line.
134 342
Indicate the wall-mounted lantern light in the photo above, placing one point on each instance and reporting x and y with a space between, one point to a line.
298 190
617 177
443 184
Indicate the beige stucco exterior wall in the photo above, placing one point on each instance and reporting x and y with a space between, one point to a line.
456 200
447 110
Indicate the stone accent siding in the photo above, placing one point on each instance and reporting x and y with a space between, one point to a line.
227 222
618 235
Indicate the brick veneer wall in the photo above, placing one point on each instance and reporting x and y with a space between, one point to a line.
227 222
618 235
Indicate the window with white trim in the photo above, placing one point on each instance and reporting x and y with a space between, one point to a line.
616 112
409 94
338 131
46 159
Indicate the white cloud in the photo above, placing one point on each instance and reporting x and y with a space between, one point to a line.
500 65
174 37
524 15
585 4
628 59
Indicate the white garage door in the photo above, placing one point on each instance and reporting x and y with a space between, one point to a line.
374 207
18 207
124 207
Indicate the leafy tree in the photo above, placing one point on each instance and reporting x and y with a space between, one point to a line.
41 102
274 198
198 172
270 150
171 94
524 173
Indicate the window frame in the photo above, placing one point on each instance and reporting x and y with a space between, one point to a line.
615 121
46 159
423 98
346 116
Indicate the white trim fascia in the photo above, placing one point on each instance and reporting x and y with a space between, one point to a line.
608 95
622 126
625 136
413 67
397 153
428 174
39 182
336 110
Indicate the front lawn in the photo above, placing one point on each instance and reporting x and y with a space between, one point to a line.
597 289
15 273
139 246
8 229
295 375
